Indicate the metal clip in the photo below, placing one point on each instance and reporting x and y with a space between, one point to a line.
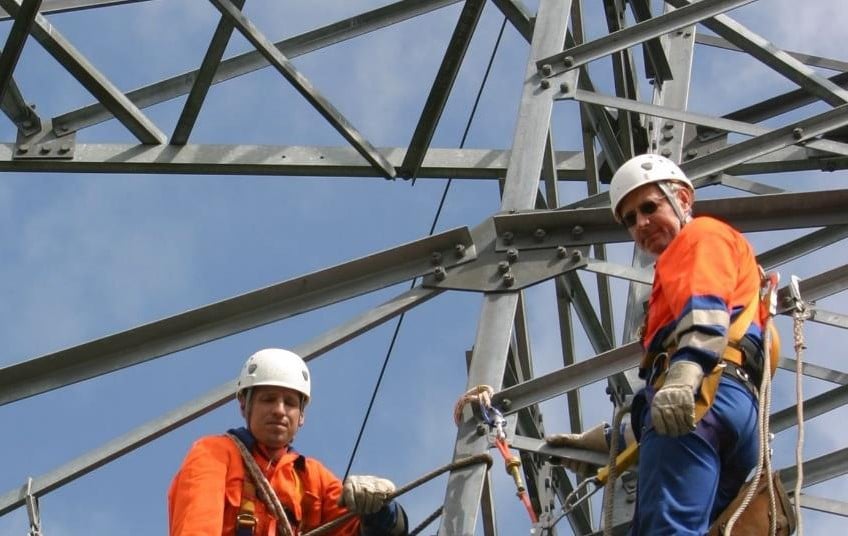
573 500
495 419
32 511
795 291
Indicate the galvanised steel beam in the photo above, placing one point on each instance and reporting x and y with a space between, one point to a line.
579 227
829 318
442 86
624 80
329 112
821 504
216 397
464 489
656 61
62 6
711 122
487 164
633 35
94 81
813 407
802 246
15 41
747 185
806 59
818 470
569 378
230 316
205 75
16 109
814 371
815 288
744 151
598 337
322 37
766 52
636 274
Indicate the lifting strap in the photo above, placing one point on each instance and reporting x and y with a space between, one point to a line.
246 517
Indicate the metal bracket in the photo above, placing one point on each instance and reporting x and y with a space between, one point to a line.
45 145
32 511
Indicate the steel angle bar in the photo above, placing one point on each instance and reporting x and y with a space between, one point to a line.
487 164
492 342
569 378
62 6
818 470
539 446
813 407
203 80
15 41
322 37
598 338
16 109
656 61
230 316
747 185
631 273
814 371
279 61
741 152
815 288
518 15
821 504
97 84
802 246
837 320
211 400
766 52
442 86
669 113
487 504
806 59
632 35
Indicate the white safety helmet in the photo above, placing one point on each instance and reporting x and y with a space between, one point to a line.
275 367
641 170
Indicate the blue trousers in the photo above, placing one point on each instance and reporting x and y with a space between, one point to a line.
686 482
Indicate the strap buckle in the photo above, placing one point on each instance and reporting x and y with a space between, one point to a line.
246 520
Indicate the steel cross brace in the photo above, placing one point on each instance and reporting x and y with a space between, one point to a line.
279 61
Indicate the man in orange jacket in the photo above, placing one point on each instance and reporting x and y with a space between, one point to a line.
697 420
222 487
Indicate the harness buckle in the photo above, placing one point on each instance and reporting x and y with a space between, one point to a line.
246 520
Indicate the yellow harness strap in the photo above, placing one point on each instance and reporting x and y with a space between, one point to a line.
246 518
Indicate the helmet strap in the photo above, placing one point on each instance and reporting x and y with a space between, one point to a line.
674 202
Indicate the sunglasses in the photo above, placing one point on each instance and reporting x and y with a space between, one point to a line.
646 208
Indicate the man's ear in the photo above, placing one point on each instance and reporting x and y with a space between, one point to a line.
301 419
686 197
242 401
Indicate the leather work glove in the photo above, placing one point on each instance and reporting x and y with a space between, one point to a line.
592 439
365 494
673 408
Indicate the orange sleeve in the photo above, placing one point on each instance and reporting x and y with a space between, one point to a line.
331 491
196 496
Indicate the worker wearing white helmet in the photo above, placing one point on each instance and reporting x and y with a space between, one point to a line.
251 482
696 419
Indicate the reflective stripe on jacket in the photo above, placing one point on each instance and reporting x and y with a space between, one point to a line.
703 280
206 493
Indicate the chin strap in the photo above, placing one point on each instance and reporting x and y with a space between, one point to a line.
675 205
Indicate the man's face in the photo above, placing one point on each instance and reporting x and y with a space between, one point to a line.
275 415
649 217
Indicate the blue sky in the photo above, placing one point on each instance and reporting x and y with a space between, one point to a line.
90 255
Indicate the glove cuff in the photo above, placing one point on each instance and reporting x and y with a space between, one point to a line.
389 520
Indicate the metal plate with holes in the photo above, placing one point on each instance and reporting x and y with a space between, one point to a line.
44 145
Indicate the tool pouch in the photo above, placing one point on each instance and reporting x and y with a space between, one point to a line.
754 521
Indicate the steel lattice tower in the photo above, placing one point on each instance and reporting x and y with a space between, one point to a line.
638 105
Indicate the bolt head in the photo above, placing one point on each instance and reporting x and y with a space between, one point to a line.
564 87
568 61
562 252
691 153
440 273
506 403
577 230
44 149
459 250
512 254
436 258
64 148
547 69
503 267
666 152
481 429
539 234
23 148
508 237
576 255
797 133
545 84
508 279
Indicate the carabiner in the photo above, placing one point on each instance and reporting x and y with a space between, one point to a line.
573 501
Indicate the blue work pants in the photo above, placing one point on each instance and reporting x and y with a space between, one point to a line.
686 482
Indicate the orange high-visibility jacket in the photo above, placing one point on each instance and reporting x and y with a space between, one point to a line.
702 281
206 493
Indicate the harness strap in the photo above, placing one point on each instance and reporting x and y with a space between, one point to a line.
246 518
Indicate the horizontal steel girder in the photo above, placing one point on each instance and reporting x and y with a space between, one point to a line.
62 6
578 227
231 316
488 164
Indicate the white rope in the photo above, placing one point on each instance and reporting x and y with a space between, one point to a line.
798 318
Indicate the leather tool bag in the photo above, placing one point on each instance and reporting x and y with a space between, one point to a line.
754 521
